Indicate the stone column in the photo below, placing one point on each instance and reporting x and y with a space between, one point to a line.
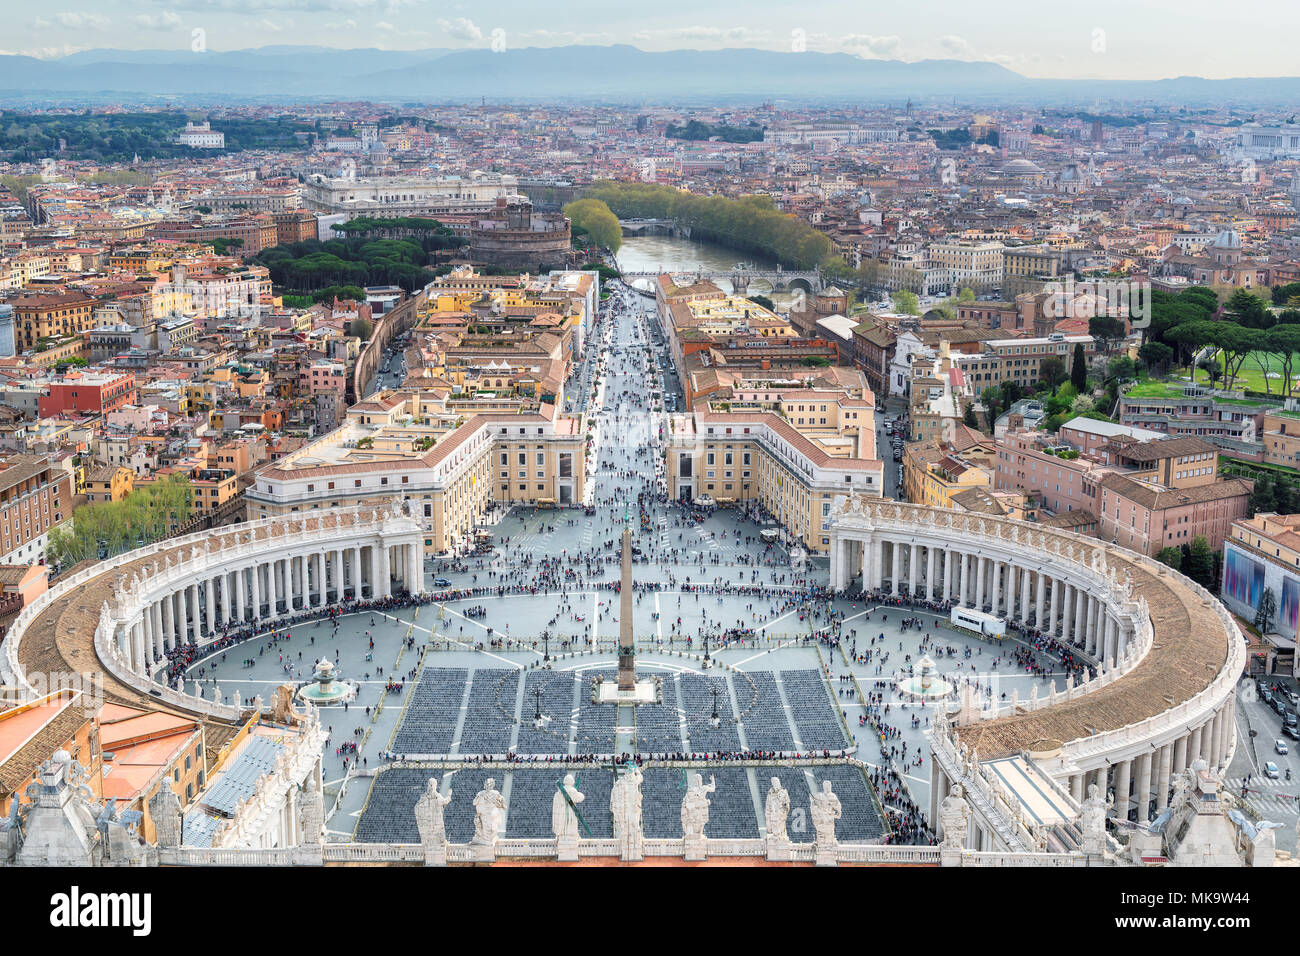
225 597
1194 748
1081 616
159 633
1076 787
356 572
300 580
1142 793
1012 590
1053 603
181 615
1122 771
1162 785
210 594
1216 740
272 588
255 576
913 566
981 571
1040 599
168 625
385 571
415 563
947 575
895 567
238 578
930 570
1180 754
196 622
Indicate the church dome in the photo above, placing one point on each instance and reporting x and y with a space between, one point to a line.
1227 239
1022 167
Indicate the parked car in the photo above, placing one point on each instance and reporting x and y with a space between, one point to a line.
1271 771
1292 731
1279 746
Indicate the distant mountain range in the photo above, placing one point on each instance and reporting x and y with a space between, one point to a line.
585 73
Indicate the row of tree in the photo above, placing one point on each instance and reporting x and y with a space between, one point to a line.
750 223
597 221
106 528
311 265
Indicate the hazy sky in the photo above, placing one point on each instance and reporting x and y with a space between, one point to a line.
1111 39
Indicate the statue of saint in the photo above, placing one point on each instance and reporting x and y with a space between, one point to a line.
825 810
695 806
428 814
564 820
489 809
776 809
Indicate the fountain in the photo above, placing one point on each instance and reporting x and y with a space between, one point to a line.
923 683
327 688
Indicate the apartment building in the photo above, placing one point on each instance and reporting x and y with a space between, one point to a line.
1263 553
793 456
35 495
410 446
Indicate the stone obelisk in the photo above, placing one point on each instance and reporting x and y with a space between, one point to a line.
626 653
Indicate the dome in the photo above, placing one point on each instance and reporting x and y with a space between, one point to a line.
1022 167
1184 201
1227 239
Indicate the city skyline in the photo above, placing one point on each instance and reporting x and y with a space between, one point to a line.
1115 42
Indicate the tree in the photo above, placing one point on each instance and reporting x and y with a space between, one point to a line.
906 302
1052 371
967 294
1079 369
968 416
1262 496
1156 356
1105 330
361 328
599 222
1170 556
1266 611
1199 563
764 301
1284 340
991 398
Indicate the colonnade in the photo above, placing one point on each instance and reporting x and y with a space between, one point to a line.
1029 590
196 605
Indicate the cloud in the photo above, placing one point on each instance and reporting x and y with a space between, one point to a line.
863 44
304 6
166 20
75 21
46 52
462 28
958 47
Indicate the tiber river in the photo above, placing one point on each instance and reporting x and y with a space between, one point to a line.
669 254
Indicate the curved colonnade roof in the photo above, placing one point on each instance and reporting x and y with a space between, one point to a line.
61 639
1189 647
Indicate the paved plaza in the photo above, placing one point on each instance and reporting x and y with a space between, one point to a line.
469 664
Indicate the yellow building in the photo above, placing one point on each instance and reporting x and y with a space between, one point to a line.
933 474
109 483
451 467
793 454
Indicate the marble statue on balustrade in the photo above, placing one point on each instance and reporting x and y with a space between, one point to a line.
825 809
695 814
1092 822
429 821
625 807
954 815
564 818
489 811
165 811
311 811
776 810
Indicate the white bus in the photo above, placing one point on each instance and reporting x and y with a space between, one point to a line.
969 619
